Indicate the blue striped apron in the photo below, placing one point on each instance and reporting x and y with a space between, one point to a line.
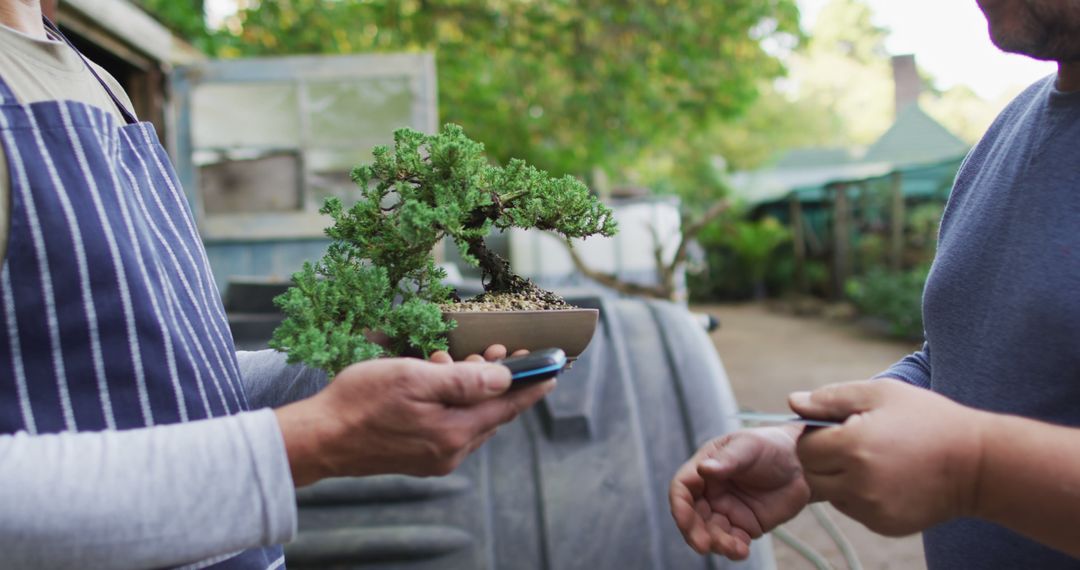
109 316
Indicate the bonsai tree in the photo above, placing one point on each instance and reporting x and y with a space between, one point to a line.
377 291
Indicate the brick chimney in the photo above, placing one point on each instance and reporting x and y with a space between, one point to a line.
906 80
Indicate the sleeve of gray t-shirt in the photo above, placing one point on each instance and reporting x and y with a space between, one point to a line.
913 368
269 382
145 498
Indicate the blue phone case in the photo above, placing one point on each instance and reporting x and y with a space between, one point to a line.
535 366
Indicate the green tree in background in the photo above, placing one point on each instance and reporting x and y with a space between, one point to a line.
567 86
844 73
962 111
188 19
838 93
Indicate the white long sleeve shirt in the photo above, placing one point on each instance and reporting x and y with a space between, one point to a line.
160 496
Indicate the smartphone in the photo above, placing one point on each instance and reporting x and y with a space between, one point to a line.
535 366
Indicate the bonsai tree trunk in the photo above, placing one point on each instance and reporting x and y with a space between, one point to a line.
496 274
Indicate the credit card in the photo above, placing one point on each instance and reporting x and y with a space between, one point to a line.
768 418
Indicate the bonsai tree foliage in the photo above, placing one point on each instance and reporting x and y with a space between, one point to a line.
377 290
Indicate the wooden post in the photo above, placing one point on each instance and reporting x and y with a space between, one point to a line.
897 216
798 236
841 239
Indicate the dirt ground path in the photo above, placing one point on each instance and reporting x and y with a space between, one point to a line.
768 354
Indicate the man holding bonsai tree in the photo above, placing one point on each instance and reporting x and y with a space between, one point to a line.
132 435
933 444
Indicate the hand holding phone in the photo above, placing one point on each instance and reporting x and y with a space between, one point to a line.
536 366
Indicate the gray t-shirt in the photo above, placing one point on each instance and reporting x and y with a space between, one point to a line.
1002 302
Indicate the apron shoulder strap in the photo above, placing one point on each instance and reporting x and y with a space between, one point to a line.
128 115
7 96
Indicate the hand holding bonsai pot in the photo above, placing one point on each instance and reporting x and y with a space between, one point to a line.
402 415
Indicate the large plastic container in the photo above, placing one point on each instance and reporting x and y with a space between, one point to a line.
578 482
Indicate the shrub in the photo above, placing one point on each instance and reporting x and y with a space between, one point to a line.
893 297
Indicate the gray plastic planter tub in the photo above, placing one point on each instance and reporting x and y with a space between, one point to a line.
578 482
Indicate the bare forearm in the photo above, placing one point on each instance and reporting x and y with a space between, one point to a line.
304 432
1029 479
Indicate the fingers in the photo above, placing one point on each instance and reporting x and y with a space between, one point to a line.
726 456
480 441
495 352
828 450
497 411
681 499
684 509
492 353
729 455
475 425
838 401
458 384
839 492
829 487
440 357
704 529
727 541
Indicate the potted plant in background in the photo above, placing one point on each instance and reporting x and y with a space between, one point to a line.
378 291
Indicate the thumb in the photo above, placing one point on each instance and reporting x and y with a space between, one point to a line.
729 457
718 467
837 401
465 383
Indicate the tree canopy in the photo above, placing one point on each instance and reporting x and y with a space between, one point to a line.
567 86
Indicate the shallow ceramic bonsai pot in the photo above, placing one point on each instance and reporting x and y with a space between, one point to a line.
568 329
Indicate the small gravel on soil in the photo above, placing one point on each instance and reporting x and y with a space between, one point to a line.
531 300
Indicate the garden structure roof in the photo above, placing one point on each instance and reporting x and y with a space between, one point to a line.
915 145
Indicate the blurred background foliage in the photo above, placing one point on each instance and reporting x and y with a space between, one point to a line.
569 86
740 254
646 92
892 300
668 95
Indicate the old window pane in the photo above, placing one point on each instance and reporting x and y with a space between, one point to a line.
227 115
360 110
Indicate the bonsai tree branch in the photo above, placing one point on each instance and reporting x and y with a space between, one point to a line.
665 270
613 281
692 229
